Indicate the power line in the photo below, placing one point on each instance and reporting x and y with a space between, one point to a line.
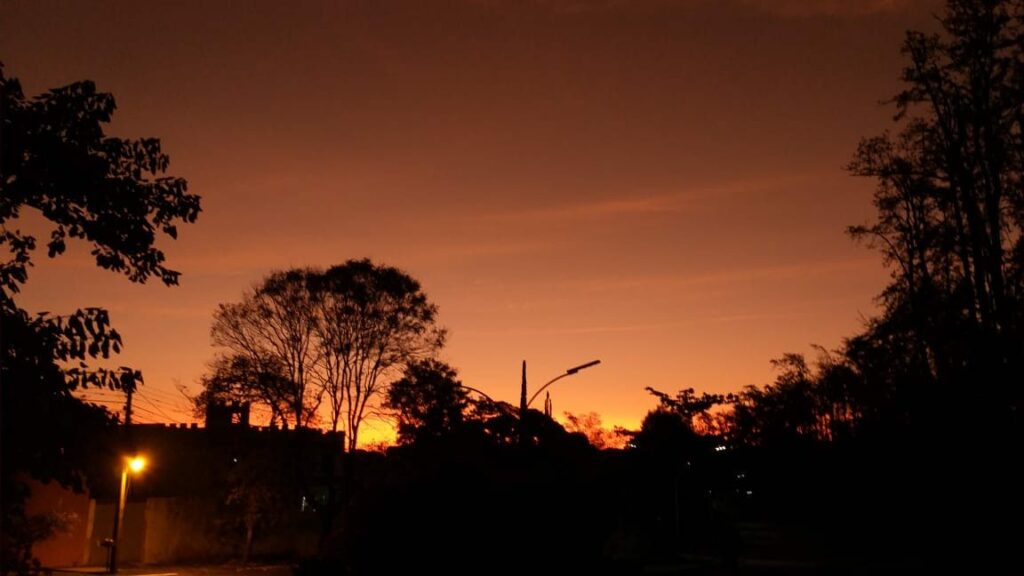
173 405
164 395
159 412
143 410
173 408
166 404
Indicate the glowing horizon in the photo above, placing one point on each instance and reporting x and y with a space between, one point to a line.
658 185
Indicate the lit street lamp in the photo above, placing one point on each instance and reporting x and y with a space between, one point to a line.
135 465
524 404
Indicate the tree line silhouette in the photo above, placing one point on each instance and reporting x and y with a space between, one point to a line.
901 448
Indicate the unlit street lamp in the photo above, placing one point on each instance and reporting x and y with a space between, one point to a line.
135 465
524 404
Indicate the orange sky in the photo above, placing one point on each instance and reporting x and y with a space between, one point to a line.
656 184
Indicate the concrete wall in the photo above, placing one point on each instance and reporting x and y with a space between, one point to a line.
66 547
159 531
194 529
133 533
183 529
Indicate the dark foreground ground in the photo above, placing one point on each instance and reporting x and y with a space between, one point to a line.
180 570
689 565
761 550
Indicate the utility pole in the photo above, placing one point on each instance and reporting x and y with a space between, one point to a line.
522 410
128 407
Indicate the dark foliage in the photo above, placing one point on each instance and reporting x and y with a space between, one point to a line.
306 336
429 401
109 192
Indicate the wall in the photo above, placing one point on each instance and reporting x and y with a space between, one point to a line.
133 533
197 529
65 548
183 529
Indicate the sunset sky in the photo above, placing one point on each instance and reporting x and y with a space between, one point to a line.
655 184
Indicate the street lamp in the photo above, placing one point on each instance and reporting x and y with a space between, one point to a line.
135 464
524 404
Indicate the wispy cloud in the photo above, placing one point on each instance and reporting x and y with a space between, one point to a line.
736 276
642 203
163 311
637 328
448 251
787 8
603 208
841 8
567 6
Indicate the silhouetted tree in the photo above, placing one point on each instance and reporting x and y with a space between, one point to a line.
237 379
694 410
781 412
373 321
843 399
48 434
272 331
56 160
257 496
428 401
497 421
343 333
950 202
665 433
590 426
107 191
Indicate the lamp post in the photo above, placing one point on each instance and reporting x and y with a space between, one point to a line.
135 465
524 404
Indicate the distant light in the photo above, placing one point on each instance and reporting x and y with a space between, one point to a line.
750 492
235 460
137 464
720 448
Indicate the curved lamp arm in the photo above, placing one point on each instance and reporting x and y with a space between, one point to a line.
568 372
484 394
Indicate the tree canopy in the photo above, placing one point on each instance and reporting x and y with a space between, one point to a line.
271 333
339 335
950 202
428 400
112 193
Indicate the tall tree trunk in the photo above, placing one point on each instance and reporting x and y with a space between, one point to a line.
250 527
